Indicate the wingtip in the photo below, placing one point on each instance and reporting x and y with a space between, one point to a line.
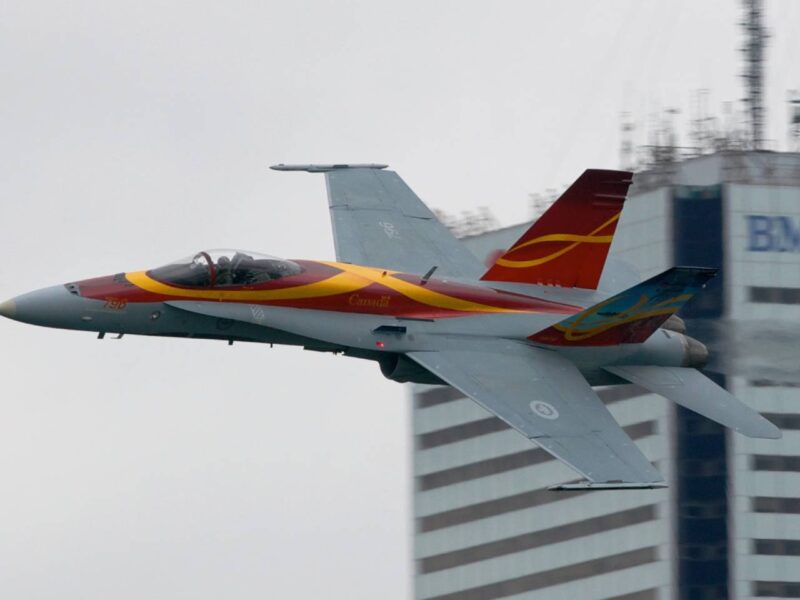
769 433
761 428
606 485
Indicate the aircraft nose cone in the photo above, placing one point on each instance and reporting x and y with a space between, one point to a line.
8 308
50 307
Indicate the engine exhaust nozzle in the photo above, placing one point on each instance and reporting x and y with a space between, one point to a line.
675 323
696 354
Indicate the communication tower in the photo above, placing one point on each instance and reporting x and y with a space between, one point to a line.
754 49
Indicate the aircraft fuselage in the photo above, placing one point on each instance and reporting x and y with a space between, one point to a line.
328 306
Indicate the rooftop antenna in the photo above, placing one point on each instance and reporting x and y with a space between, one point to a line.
754 47
626 149
703 126
663 148
794 121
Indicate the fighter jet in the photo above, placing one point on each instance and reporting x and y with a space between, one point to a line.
526 339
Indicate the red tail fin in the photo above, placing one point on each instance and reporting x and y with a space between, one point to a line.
569 243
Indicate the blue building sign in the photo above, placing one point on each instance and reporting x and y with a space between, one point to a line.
772 233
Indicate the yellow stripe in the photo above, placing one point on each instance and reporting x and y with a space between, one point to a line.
343 283
568 237
591 238
572 333
574 336
353 278
420 293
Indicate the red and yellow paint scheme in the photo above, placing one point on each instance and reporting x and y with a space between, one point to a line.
568 245
328 286
514 347
629 317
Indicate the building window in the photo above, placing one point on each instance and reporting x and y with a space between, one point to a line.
774 295
776 589
705 592
704 552
701 510
504 463
773 462
783 420
458 433
773 383
766 504
777 547
436 396
536 539
699 467
544 579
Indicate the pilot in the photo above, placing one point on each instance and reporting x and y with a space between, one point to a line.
240 271
224 271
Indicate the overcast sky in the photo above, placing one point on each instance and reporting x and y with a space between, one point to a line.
135 133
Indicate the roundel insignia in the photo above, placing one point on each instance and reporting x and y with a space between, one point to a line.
544 410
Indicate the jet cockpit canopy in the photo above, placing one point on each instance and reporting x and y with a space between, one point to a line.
222 268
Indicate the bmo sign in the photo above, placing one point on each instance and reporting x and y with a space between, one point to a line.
772 233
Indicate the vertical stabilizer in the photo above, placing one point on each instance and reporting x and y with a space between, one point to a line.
568 245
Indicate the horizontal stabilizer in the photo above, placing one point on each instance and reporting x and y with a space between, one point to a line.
631 316
693 390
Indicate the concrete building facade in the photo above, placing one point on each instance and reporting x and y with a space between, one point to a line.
729 524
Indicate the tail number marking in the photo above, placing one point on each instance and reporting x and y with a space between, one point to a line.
389 229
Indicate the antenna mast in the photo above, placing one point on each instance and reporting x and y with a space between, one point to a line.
755 45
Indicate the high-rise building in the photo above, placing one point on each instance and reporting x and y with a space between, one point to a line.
486 525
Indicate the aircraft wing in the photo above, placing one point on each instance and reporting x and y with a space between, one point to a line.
378 221
543 396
